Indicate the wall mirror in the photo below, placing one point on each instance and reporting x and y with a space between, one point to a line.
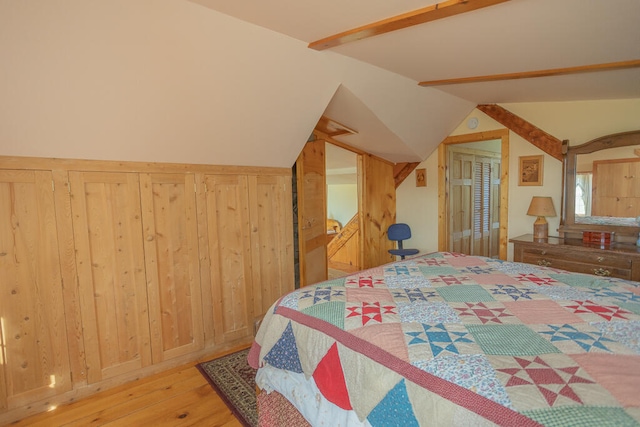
602 187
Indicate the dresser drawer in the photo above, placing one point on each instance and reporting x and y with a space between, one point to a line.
596 259
569 263
619 259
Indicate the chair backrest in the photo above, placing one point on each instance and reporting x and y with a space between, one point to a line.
399 231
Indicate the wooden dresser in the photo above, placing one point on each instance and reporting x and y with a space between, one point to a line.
615 260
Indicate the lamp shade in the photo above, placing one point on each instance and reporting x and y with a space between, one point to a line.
541 206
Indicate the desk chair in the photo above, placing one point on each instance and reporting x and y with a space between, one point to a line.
398 233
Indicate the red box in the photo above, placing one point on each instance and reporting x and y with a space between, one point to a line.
597 237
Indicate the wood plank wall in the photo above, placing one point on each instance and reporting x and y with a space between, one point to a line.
378 207
117 270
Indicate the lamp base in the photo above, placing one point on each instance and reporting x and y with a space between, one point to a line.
540 228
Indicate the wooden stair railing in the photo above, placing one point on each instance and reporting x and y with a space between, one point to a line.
347 232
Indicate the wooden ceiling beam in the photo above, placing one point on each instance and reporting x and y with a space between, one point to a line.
634 63
541 139
427 14
402 170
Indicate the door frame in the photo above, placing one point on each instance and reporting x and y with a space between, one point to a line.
443 187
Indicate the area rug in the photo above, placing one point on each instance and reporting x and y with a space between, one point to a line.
234 381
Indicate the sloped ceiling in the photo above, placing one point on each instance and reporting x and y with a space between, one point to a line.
173 81
509 37
234 83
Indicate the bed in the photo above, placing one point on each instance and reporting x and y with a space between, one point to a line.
447 339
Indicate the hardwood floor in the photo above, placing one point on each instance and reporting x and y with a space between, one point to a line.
338 269
177 397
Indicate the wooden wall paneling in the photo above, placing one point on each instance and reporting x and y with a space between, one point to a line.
169 219
377 194
616 188
272 260
230 256
40 163
206 280
34 359
110 261
312 213
71 296
88 218
348 252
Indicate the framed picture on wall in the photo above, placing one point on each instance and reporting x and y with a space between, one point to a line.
531 170
421 177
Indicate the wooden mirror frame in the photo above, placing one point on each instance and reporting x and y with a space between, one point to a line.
568 226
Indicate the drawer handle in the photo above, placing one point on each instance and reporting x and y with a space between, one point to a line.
601 272
600 259
544 263
544 252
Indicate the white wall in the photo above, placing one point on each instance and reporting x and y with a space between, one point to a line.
342 202
579 122
173 81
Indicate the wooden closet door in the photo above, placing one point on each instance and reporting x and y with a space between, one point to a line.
377 193
34 358
227 210
312 213
172 265
272 260
107 226
461 176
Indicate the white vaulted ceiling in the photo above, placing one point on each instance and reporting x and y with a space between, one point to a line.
516 36
235 83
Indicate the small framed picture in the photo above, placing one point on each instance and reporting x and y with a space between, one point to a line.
421 177
531 170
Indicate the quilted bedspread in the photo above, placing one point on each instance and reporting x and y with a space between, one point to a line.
449 339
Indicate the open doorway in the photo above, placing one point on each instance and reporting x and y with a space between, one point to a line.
474 195
445 192
342 211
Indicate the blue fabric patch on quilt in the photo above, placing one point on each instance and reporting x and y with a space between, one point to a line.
427 312
284 354
322 294
620 296
625 332
586 340
289 301
513 292
415 294
471 371
394 410
404 282
563 292
439 338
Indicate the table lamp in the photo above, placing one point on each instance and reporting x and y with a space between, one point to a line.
541 207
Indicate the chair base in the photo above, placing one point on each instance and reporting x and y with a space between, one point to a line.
403 252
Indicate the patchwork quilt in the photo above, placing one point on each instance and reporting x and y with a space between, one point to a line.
449 339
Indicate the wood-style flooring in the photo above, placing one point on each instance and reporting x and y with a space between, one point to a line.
177 397
339 269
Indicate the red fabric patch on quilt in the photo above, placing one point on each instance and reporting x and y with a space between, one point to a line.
329 378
